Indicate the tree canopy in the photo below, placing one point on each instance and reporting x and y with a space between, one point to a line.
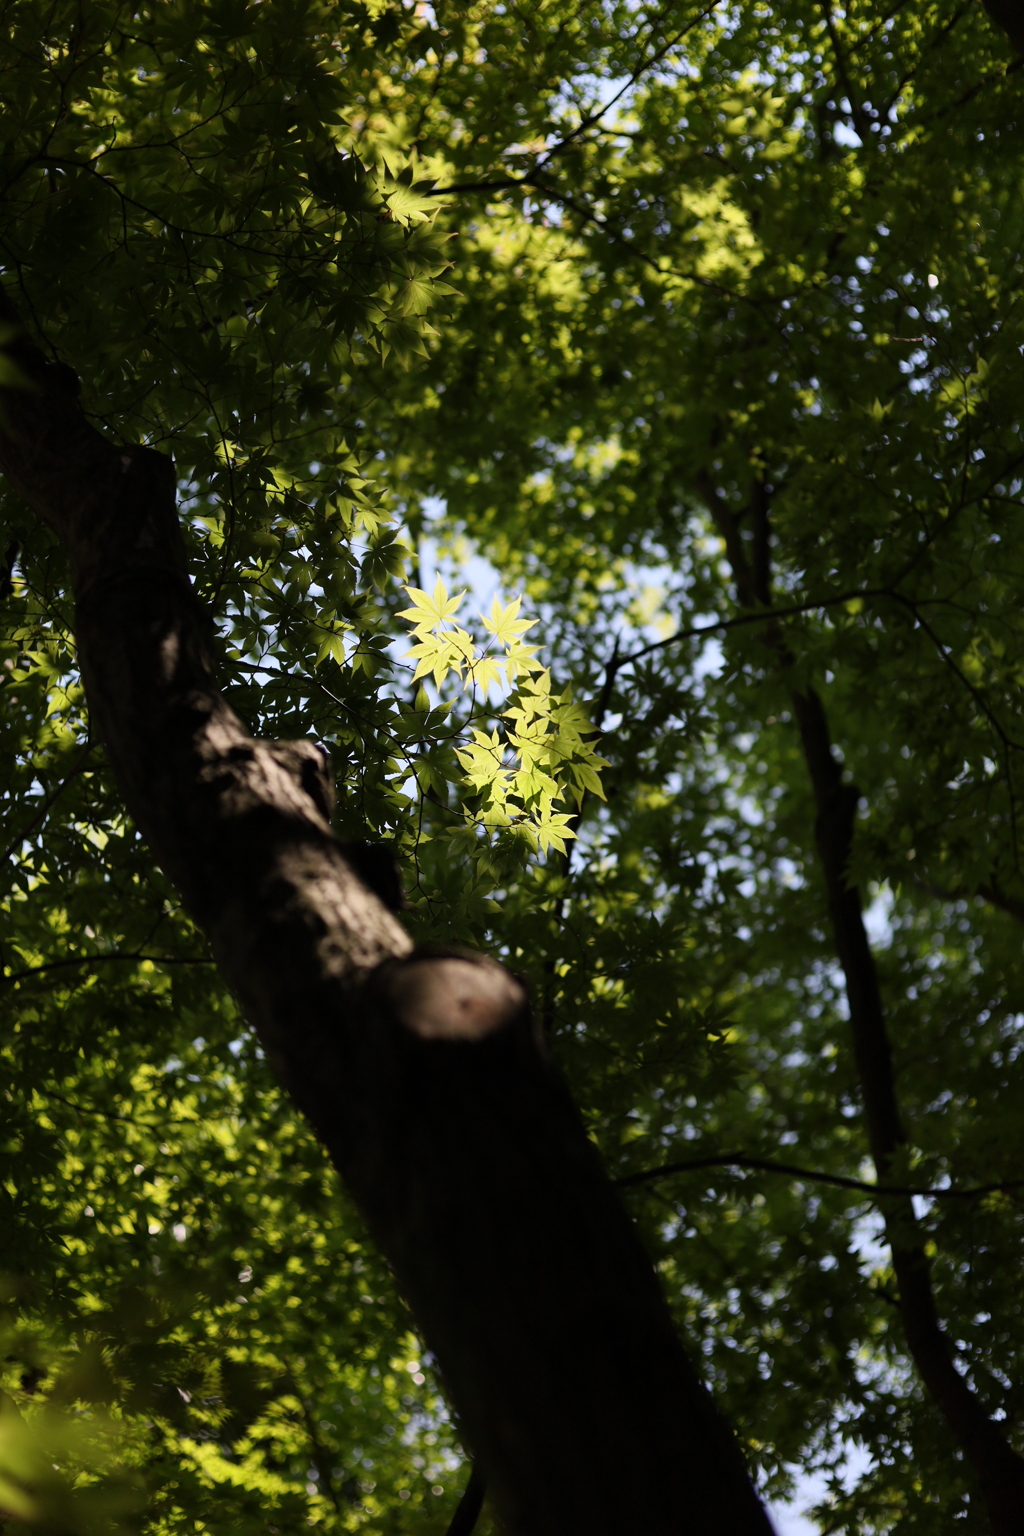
704 327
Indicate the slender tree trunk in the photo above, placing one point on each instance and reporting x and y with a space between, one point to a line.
422 1074
998 1469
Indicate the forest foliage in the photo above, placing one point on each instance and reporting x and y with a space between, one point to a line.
573 287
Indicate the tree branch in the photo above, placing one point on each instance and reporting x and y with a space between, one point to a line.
860 120
468 1512
792 1170
757 616
641 69
48 803
13 978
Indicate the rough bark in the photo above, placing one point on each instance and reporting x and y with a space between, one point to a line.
998 1469
422 1074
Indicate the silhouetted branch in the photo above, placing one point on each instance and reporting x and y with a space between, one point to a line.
815 1176
468 1512
49 801
80 960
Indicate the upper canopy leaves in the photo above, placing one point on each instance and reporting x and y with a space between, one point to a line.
784 262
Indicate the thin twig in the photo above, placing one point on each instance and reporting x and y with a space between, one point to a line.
50 800
759 615
641 69
841 1181
59 965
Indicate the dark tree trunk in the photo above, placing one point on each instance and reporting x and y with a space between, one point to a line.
997 1467
998 1470
422 1074
1009 14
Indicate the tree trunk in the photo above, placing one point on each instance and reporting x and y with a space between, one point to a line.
422 1074
1009 14
997 1468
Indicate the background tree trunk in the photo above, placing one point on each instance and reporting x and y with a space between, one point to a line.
997 1468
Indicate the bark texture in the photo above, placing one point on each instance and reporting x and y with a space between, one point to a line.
422 1074
998 1469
